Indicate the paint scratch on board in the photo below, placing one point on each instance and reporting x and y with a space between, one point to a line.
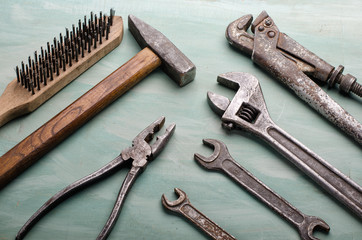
281 112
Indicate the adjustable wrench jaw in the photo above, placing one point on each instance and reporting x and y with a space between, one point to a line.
141 151
247 110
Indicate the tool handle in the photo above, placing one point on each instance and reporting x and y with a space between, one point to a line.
201 220
128 182
272 60
318 99
75 115
328 177
7 110
262 192
16 101
68 191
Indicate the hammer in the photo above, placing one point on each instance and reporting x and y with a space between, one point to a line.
158 50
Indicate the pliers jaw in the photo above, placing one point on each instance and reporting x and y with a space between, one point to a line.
141 151
139 155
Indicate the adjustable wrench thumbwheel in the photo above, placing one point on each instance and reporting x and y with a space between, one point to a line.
221 160
183 206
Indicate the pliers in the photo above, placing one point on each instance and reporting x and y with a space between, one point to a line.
137 157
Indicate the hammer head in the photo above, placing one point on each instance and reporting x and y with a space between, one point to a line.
174 62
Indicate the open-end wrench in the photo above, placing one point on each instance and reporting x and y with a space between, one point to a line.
222 161
295 66
248 111
183 206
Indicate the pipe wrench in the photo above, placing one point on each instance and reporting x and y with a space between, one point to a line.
295 66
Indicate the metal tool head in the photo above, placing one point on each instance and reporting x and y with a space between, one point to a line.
247 109
310 223
236 34
215 160
175 205
141 151
174 62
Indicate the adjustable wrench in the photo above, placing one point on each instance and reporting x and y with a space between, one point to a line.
183 206
222 161
248 111
295 66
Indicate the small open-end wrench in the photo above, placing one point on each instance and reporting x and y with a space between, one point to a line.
248 111
222 161
295 66
183 206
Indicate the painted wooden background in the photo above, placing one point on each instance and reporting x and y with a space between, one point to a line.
332 29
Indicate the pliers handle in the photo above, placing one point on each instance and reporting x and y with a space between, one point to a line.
139 155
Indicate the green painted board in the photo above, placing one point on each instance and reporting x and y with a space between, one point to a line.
331 29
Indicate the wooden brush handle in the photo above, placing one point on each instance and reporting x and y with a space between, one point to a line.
17 101
75 115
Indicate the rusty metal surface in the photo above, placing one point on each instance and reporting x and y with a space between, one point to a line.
183 207
248 111
197 28
295 66
174 62
221 160
138 156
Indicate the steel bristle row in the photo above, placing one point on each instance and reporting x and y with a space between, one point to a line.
61 53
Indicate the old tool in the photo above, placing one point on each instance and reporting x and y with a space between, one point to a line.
248 111
183 206
41 141
136 157
221 160
63 60
295 66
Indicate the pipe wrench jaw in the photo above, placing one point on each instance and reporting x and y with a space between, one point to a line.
247 110
262 22
236 34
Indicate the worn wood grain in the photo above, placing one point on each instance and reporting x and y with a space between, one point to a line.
75 115
17 101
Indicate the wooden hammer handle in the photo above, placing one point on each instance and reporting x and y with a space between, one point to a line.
37 144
